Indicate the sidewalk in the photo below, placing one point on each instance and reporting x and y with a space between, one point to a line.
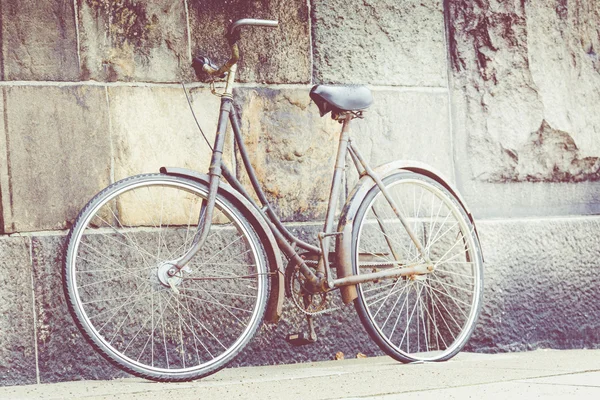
556 374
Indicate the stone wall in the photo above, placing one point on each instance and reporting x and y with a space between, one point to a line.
502 97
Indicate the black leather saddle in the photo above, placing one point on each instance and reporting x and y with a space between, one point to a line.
341 98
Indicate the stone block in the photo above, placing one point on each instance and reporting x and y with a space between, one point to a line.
58 154
405 125
291 148
541 285
381 42
153 127
529 199
38 41
133 41
526 89
17 341
273 55
63 353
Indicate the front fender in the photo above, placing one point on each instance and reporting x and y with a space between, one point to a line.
275 302
355 199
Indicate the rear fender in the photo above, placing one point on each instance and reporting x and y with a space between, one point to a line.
275 302
355 199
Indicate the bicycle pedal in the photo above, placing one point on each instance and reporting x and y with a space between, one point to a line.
299 339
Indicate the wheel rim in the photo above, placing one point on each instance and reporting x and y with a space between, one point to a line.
427 317
131 314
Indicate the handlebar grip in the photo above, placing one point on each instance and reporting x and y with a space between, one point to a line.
233 32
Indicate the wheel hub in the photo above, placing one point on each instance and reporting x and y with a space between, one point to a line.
164 273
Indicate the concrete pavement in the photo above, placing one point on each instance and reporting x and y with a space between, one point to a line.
555 374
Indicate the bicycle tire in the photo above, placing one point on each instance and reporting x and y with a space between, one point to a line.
114 267
429 317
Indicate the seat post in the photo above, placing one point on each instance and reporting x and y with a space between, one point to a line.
340 167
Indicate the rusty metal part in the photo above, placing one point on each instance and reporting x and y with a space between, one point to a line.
355 199
230 66
276 298
235 56
408 270
310 300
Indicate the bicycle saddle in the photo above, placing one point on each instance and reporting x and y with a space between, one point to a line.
341 98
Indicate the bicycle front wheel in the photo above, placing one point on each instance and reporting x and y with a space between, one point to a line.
123 299
425 317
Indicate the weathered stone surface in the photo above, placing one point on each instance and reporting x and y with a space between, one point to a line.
541 291
58 154
291 148
38 40
405 125
563 46
527 199
133 41
4 181
153 127
526 90
541 285
17 342
280 55
382 42
63 352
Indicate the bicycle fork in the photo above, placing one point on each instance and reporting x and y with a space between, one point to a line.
208 205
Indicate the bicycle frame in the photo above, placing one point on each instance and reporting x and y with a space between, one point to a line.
322 280
286 241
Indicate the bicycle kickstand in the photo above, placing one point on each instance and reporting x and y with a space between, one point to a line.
302 338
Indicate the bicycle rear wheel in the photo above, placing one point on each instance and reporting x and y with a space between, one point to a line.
117 283
426 317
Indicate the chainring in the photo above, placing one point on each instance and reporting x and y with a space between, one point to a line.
308 302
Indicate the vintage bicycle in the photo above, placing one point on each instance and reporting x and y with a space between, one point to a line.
169 275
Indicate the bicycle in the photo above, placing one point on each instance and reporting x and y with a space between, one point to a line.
169 275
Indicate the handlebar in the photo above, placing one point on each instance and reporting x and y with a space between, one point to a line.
204 65
234 27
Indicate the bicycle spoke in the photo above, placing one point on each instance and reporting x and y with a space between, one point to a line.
117 271
423 318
